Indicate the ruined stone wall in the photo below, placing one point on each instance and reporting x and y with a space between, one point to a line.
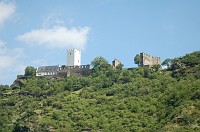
76 71
115 63
148 60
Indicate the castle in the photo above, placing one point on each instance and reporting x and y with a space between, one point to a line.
148 60
115 63
72 68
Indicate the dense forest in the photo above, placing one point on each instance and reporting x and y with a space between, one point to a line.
110 99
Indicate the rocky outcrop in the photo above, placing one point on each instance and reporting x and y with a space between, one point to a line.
21 80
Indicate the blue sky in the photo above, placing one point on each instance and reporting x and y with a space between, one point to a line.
39 32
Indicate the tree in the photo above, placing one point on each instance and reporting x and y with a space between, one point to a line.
156 67
110 99
137 60
191 59
99 61
167 62
20 128
29 71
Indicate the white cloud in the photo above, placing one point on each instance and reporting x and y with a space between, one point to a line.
57 37
10 63
6 10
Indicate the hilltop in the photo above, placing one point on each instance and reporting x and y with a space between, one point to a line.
109 99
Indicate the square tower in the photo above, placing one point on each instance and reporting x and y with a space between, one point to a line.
73 57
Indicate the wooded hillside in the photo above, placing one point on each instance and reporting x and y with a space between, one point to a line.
120 99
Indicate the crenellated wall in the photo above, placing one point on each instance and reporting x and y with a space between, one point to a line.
77 71
148 60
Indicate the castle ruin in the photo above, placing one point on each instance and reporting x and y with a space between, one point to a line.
115 63
74 67
75 71
148 60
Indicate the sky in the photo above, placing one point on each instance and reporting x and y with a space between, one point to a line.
39 32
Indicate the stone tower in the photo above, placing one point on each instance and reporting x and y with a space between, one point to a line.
73 57
116 63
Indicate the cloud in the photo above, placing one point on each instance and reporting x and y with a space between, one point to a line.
57 37
6 10
10 64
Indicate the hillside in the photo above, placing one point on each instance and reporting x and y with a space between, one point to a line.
137 99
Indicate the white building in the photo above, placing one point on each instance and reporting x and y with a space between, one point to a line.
73 57
47 70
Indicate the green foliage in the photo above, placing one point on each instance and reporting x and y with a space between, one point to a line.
29 71
110 99
191 59
156 67
186 65
99 61
137 59
167 62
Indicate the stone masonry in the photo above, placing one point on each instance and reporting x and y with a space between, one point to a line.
148 60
